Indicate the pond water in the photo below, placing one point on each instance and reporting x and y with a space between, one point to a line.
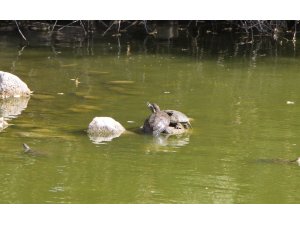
244 105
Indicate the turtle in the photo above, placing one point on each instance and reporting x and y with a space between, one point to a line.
280 161
157 122
26 148
29 151
177 117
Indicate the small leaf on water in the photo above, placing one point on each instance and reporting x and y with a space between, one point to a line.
290 102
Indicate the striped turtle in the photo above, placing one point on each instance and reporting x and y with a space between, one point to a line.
29 151
157 122
279 161
178 117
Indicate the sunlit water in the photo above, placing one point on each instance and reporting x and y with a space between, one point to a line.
241 107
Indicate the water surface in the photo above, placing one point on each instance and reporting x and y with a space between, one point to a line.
237 99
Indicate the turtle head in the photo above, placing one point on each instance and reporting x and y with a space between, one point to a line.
26 148
153 107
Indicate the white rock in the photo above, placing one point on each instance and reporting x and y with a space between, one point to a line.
12 86
3 123
298 161
105 127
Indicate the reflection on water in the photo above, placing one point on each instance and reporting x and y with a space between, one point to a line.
101 139
12 107
172 140
165 143
236 93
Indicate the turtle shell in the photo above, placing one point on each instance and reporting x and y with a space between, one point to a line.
157 122
178 117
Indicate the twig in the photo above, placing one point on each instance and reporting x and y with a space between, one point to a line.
103 23
295 31
147 30
145 25
83 27
67 25
21 51
133 23
108 28
119 26
53 26
20 31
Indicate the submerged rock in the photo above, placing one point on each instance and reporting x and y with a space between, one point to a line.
104 129
12 86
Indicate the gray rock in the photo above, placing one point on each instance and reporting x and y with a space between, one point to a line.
104 129
12 86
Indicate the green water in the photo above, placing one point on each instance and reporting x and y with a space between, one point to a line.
238 103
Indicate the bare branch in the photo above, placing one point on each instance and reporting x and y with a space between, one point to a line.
54 26
82 25
108 28
20 31
67 25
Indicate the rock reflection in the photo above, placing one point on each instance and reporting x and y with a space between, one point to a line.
102 139
12 107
